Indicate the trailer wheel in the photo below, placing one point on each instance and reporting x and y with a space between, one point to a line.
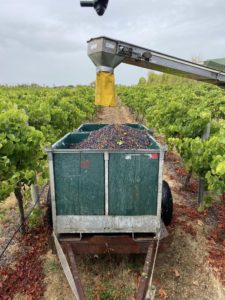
49 208
167 204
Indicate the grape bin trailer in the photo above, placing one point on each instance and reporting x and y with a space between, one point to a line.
106 201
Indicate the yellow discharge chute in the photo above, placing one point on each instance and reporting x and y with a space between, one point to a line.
105 93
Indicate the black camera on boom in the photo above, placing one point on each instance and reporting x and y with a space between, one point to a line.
99 5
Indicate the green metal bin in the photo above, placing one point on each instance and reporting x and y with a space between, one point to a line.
99 191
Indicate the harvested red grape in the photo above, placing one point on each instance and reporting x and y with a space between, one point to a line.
115 137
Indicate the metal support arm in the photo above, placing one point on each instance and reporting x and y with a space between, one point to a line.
108 53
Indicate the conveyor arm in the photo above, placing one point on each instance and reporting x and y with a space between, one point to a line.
107 53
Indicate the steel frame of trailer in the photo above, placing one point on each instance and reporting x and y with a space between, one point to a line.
68 247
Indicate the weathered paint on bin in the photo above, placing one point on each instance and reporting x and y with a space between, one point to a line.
93 194
133 184
79 183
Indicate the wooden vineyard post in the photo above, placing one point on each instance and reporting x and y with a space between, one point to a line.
201 188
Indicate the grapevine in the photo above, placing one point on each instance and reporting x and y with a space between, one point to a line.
180 110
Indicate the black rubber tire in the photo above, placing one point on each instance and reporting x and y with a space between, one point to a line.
167 204
49 208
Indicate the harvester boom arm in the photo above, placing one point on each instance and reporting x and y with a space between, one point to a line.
107 53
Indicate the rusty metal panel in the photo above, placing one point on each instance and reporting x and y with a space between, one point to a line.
74 270
99 244
145 276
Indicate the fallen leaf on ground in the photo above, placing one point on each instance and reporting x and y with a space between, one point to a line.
200 223
177 274
157 281
162 294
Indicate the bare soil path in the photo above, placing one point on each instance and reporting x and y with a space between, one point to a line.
117 115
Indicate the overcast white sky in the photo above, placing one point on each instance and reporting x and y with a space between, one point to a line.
44 41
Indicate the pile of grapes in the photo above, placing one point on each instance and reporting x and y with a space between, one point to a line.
115 137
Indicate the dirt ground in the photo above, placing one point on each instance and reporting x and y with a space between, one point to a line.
182 271
116 115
